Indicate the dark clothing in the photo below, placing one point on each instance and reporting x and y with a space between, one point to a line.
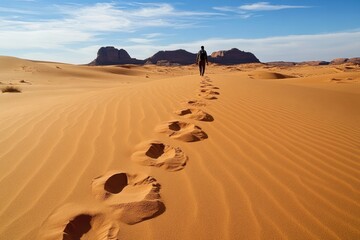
201 56
202 65
202 59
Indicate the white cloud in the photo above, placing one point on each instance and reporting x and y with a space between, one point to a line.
266 6
153 35
110 17
153 10
247 10
18 11
101 17
141 40
149 38
78 23
71 26
41 39
224 9
65 55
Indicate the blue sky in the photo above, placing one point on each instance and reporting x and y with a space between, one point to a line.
73 30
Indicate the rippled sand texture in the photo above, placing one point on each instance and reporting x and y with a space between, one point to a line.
126 152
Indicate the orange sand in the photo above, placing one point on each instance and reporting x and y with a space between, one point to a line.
147 152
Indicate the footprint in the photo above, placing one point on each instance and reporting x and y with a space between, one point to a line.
336 79
158 154
209 91
205 83
195 103
207 96
77 227
75 222
208 87
183 131
116 183
208 79
123 197
196 114
132 198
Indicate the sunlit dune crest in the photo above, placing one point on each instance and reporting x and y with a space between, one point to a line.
251 151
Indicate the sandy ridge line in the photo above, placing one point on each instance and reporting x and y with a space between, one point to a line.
285 150
61 166
324 143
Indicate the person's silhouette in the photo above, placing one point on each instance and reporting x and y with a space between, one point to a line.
201 59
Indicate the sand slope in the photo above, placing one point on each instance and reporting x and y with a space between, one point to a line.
280 159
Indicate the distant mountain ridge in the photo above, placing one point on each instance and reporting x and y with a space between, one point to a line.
336 61
233 56
112 56
180 56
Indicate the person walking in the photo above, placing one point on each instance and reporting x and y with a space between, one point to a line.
201 59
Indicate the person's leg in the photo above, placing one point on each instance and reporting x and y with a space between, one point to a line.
200 68
202 64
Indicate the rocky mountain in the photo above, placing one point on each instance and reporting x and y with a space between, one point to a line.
314 63
354 60
113 56
281 64
338 61
180 56
233 56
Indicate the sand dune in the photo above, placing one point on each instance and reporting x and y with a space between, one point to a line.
268 75
128 152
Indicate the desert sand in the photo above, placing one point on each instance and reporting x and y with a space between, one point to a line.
150 152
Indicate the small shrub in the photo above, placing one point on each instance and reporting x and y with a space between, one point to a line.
11 89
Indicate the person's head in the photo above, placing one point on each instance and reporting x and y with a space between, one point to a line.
202 47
